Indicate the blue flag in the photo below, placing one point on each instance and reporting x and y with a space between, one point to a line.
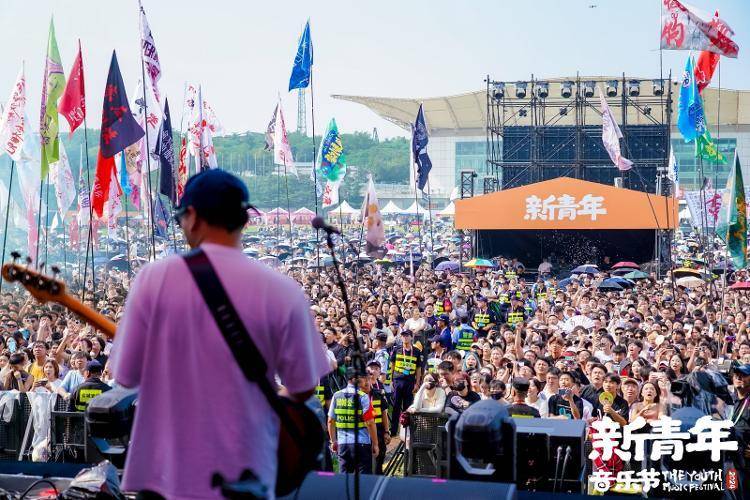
303 61
690 120
419 142
161 218
119 128
165 150
124 178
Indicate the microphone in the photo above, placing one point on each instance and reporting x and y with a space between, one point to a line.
568 453
557 467
319 223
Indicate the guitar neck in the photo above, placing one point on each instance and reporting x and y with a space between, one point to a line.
92 317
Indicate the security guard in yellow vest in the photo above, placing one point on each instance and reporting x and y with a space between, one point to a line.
517 312
380 413
406 363
484 320
89 389
344 420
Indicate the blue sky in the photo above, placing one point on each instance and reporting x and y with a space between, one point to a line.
241 51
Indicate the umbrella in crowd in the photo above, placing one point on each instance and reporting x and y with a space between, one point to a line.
626 264
475 263
682 272
741 285
690 282
447 265
270 260
623 282
323 261
565 282
610 285
636 275
585 269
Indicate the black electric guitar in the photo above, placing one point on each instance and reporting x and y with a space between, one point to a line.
299 447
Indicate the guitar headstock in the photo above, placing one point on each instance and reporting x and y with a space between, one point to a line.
44 288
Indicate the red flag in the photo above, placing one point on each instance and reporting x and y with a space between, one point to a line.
100 192
704 69
75 234
182 170
73 101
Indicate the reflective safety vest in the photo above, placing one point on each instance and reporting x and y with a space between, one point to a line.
509 274
377 410
432 364
465 339
320 394
84 397
529 310
482 319
541 296
344 410
504 297
514 318
405 364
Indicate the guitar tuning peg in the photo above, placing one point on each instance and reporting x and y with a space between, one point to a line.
15 255
41 266
55 270
28 261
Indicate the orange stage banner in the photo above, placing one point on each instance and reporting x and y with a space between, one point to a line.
566 203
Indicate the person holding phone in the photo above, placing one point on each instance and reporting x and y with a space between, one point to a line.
565 404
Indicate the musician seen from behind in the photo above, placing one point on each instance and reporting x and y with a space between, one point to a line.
211 419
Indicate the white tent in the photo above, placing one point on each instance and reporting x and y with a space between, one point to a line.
391 209
415 209
345 209
448 211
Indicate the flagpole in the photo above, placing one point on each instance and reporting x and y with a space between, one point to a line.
315 162
7 215
127 235
148 161
46 223
65 251
38 222
89 238
416 211
288 207
429 211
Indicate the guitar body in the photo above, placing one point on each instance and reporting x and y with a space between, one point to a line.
296 457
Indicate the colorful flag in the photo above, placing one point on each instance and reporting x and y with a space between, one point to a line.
201 137
330 194
282 151
704 69
303 61
113 206
121 158
75 234
52 88
133 166
270 131
165 150
149 54
707 149
148 112
375 238
684 28
611 135
182 169
733 227
332 163
84 202
119 130
673 172
13 127
690 119
161 218
419 142
73 100
62 179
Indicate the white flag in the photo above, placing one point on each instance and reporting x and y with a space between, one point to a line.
282 151
62 178
113 206
29 168
455 194
150 56
14 119
84 203
200 136
375 238
611 136
331 193
149 115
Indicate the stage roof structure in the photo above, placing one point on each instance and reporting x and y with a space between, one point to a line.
469 110
566 203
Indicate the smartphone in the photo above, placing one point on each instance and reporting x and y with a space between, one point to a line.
563 392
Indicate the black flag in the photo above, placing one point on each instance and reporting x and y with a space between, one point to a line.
165 150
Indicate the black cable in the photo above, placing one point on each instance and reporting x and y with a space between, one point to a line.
568 453
39 481
557 467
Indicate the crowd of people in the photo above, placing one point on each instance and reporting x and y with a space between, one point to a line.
439 341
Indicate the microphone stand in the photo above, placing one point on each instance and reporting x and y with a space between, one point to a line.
357 357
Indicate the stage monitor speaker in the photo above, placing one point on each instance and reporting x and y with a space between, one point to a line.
319 485
538 468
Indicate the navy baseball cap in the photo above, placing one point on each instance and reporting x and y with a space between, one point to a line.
215 192
94 366
743 369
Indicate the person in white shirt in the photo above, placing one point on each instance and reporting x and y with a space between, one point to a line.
545 267
416 322
537 399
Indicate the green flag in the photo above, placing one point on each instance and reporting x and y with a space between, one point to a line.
735 227
52 88
707 149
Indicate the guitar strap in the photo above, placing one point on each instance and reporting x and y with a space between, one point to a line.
244 350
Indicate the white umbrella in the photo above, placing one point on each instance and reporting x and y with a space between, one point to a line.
690 282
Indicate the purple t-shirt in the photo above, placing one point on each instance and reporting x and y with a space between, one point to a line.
197 414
